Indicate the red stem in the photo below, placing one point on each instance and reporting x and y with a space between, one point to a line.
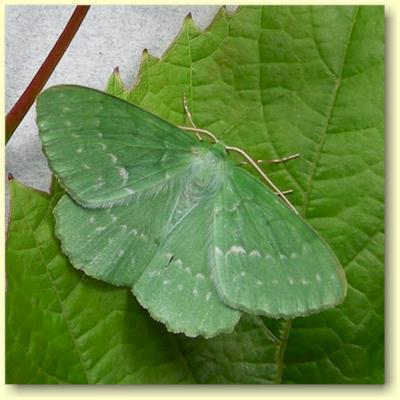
24 103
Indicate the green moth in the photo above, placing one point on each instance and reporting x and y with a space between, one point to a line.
197 238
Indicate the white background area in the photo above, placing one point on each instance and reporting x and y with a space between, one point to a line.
109 36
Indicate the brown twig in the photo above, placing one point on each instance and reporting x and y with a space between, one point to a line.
24 103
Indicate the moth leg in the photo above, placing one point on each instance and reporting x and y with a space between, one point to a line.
262 174
189 116
285 192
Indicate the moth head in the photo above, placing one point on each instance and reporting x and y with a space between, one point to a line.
207 154
204 150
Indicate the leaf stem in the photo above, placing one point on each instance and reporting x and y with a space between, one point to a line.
24 103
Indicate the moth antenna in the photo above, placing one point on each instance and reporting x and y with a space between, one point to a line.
276 160
189 116
280 160
198 130
264 176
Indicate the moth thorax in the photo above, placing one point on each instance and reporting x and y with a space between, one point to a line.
207 169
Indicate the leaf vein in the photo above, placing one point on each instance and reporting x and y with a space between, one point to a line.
56 290
328 119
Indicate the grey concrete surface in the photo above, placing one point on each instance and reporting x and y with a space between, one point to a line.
109 36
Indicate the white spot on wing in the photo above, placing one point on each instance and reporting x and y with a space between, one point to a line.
259 283
236 250
92 219
120 253
123 173
180 287
282 257
294 255
291 281
133 232
199 276
318 278
178 262
217 210
86 166
113 217
113 158
304 281
100 228
255 253
75 135
124 227
166 282
243 274
275 282
208 295
194 292
234 207
129 191
218 252
143 236
99 135
306 248
102 145
100 182
79 150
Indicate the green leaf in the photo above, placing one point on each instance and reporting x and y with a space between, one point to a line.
250 355
64 327
282 80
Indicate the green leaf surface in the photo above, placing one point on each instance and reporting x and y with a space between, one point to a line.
282 80
273 81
